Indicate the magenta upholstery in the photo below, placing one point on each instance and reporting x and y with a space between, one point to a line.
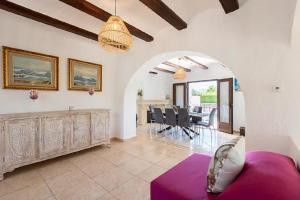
185 181
266 176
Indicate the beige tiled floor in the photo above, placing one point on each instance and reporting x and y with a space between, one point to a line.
123 171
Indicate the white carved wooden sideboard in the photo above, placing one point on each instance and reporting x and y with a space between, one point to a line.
27 138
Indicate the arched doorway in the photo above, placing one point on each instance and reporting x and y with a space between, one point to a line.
130 95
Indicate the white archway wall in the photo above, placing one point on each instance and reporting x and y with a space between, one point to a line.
155 87
216 71
253 42
129 112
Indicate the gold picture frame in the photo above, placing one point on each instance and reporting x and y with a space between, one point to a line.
84 75
29 70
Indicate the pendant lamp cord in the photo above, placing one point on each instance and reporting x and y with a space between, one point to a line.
115 7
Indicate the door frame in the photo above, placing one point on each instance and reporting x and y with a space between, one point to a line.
223 126
184 91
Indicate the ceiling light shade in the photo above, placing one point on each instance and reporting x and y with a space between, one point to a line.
180 74
114 35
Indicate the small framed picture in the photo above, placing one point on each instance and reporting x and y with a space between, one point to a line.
29 70
84 75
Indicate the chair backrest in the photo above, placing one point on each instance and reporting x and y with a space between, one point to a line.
212 117
158 116
197 109
175 108
183 117
170 117
151 109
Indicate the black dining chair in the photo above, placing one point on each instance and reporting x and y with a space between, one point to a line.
159 118
175 108
184 121
152 119
171 119
197 109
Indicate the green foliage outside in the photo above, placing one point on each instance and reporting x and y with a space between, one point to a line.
208 99
208 96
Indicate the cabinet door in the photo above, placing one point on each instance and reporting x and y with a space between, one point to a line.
2 147
81 133
53 135
20 141
99 127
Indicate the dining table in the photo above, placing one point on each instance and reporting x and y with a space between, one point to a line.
191 114
195 114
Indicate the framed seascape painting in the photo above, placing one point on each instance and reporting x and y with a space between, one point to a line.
84 75
29 70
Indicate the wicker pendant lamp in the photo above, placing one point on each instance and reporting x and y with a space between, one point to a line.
114 35
180 74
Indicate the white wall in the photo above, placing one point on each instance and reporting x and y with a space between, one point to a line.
217 71
253 42
22 33
290 89
156 87
239 112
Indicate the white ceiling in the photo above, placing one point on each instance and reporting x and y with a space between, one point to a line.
188 64
137 14
132 11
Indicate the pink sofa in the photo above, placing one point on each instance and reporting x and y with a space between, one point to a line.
266 176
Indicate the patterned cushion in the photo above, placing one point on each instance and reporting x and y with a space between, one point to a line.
227 162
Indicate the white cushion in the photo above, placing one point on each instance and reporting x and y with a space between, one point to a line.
227 163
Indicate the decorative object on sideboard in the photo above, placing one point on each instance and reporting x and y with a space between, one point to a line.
91 91
114 35
29 70
33 94
84 75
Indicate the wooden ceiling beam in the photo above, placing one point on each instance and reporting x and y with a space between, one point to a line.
195 62
170 64
229 5
164 70
160 8
101 14
39 17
